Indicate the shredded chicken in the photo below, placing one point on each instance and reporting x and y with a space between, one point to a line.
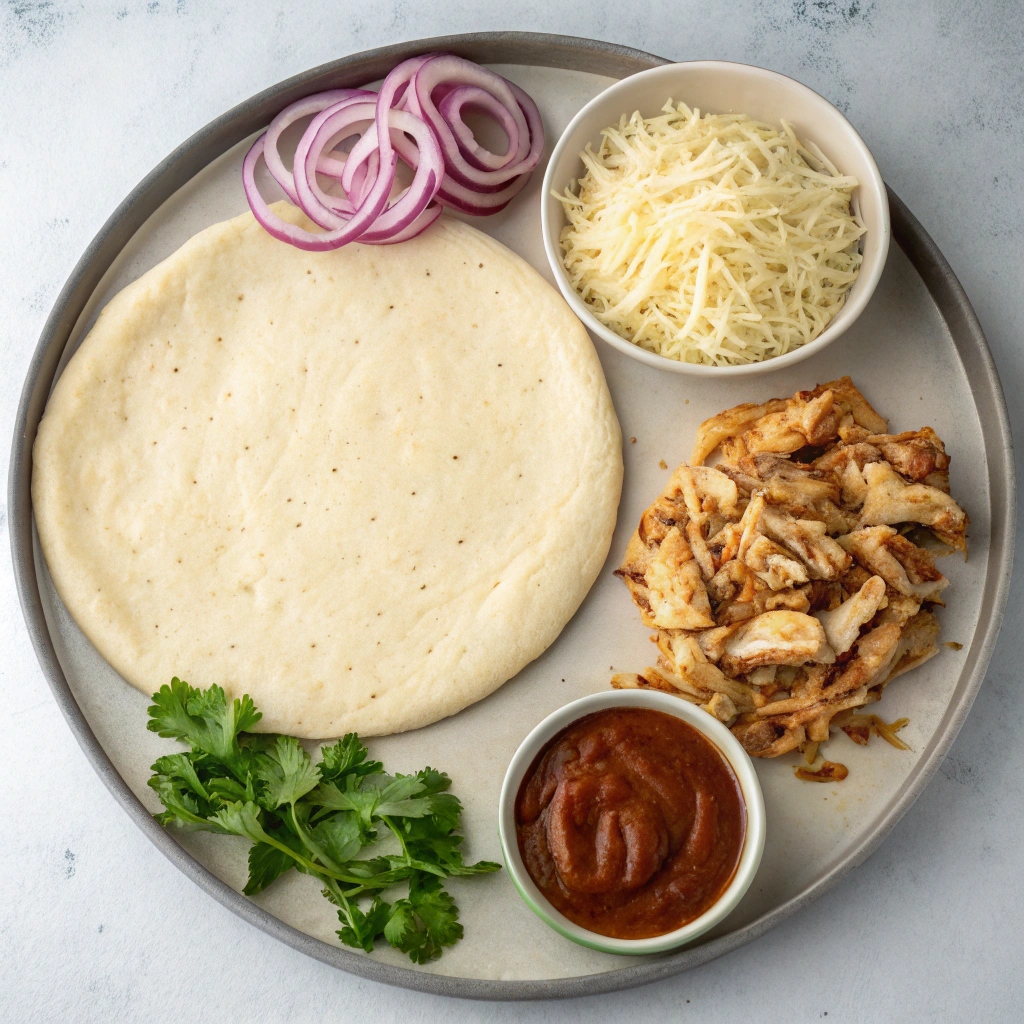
842 624
783 583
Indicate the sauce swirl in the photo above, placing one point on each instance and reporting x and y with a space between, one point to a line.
631 822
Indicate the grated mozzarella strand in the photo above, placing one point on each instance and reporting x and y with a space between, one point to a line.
710 239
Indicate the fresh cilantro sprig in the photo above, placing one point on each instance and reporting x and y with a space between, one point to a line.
325 819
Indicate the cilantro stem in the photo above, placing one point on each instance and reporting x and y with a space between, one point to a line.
398 835
342 901
321 871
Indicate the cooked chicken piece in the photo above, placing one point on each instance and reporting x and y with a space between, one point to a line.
815 718
806 690
699 547
813 421
890 499
691 685
734 582
918 455
776 638
819 728
682 656
745 483
855 487
722 707
899 609
842 626
763 675
652 679
803 491
808 540
794 600
726 543
873 657
851 581
850 432
768 738
835 459
881 550
659 518
712 432
750 524
710 641
792 483
737 594
919 565
850 400
633 572
825 595
918 643
636 681
784 425
774 564
676 591
705 490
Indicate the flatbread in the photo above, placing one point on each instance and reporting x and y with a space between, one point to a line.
365 487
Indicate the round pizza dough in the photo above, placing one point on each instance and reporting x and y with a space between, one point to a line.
365 487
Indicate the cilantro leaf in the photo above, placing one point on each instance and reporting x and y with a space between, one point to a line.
434 781
363 801
204 719
266 864
443 850
341 835
180 768
425 923
228 790
287 773
182 808
346 757
361 929
241 819
375 796
396 799
188 802
445 812
402 928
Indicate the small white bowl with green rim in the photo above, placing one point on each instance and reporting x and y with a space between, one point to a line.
713 730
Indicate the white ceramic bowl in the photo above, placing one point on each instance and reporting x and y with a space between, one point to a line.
719 87
753 844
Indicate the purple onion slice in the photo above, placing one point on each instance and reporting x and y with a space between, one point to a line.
418 118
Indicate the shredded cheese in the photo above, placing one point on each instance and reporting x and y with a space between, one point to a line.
710 238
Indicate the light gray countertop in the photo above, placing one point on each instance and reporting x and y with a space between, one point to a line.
94 924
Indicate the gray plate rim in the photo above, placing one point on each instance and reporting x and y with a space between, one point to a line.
192 156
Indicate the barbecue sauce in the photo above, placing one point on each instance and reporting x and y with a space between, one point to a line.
630 822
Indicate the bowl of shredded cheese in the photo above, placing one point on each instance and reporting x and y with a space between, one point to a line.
714 219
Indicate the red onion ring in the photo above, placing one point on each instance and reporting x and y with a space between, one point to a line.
479 204
329 128
419 225
280 229
450 108
301 108
449 69
391 125
429 170
417 117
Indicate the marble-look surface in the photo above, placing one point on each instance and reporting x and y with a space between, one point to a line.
94 924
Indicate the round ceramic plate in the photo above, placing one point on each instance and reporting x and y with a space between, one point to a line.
917 352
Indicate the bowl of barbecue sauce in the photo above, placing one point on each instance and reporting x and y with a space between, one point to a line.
631 821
